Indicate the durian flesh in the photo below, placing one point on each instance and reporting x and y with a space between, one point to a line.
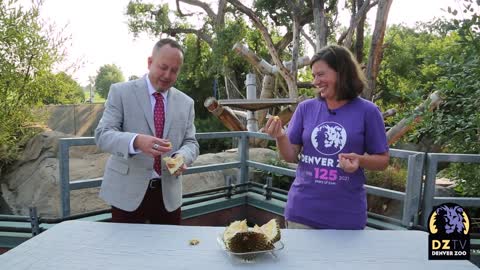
272 230
233 228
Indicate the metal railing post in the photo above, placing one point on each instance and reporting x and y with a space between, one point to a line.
64 170
243 150
413 190
429 190
268 188
34 221
230 185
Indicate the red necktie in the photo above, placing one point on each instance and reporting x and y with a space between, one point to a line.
159 120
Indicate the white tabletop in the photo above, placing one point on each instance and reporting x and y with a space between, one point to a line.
95 245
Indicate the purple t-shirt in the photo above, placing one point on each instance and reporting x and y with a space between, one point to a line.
323 195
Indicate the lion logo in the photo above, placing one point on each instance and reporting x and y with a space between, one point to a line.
329 138
449 219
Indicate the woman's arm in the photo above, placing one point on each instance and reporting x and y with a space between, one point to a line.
289 152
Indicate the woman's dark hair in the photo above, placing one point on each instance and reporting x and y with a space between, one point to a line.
350 78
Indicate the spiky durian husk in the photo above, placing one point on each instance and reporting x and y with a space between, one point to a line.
248 242
272 230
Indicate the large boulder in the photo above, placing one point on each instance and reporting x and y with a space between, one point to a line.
34 180
208 180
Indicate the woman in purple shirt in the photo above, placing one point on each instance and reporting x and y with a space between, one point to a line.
333 138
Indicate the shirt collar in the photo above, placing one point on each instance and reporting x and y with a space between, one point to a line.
151 90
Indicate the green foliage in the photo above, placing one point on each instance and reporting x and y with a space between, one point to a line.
96 97
409 67
456 124
146 17
466 177
106 76
212 124
62 89
27 55
278 180
394 177
442 56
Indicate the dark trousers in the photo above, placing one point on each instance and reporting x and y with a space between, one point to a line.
151 210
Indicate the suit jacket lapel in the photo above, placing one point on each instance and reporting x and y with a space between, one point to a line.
143 99
170 110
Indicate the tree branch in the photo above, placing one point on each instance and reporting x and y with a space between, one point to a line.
354 21
307 17
308 38
202 5
268 40
220 21
199 33
180 11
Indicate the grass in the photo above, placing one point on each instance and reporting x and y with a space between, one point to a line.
96 99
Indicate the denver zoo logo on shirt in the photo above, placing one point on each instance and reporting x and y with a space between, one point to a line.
449 233
329 138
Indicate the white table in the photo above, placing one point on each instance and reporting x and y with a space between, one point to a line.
94 245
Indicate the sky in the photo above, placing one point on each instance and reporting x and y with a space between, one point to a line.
99 32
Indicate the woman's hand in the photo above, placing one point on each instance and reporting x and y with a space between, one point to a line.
349 162
274 127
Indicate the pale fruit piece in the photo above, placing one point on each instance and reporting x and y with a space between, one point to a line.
272 230
173 164
256 228
233 228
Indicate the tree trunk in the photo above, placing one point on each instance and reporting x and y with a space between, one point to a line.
231 86
320 22
292 87
347 37
358 49
375 55
407 123
225 114
268 87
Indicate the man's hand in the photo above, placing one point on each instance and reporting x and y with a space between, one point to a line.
180 170
175 164
349 162
151 145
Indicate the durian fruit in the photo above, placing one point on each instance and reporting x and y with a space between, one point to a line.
272 230
256 228
233 228
250 241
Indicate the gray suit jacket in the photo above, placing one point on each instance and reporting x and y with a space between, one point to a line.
128 111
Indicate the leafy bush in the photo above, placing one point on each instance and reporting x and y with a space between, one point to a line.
28 54
278 180
212 124
394 177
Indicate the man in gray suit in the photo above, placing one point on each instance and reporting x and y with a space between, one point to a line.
144 121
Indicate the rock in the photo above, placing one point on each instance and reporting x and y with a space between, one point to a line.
207 180
34 180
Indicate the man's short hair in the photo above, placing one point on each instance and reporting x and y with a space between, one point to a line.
164 41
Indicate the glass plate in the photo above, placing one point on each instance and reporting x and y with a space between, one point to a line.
250 255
